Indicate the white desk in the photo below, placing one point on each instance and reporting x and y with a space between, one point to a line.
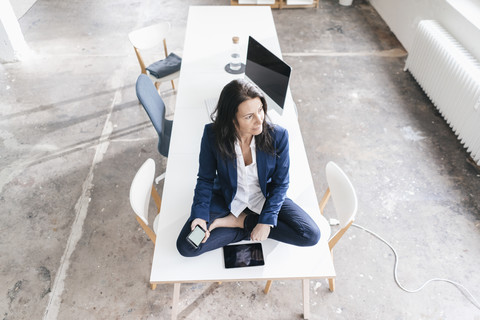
207 42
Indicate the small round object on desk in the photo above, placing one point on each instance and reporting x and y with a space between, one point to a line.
239 71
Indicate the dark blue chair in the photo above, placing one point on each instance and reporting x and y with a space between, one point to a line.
155 108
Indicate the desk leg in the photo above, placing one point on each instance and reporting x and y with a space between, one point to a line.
306 298
267 287
176 298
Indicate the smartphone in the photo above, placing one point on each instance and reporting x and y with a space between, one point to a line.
195 237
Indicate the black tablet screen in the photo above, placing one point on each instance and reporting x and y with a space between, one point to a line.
243 255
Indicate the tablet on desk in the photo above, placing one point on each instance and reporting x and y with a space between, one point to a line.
243 255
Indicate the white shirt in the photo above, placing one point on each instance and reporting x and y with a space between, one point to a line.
249 195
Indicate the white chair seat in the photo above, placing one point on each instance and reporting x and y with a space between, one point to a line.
171 76
141 188
155 223
141 191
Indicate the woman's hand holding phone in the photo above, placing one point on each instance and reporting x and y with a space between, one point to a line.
203 224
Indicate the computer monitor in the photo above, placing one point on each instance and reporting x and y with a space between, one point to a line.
269 73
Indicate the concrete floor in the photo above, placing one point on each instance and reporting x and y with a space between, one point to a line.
73 135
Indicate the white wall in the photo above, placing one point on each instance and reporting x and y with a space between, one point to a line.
12 43
20 7
402 16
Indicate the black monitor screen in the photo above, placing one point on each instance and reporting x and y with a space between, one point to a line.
267 71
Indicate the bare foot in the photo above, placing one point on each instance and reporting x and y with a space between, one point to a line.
229 221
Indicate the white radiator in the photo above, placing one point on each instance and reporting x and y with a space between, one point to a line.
450 76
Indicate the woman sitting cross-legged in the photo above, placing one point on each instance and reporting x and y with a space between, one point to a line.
243 178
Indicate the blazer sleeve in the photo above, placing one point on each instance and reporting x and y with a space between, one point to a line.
277 186
205 179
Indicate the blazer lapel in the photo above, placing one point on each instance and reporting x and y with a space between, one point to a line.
262 170
232 175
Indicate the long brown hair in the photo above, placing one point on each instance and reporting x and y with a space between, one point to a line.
224 118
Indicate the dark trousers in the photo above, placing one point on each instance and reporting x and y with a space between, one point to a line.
294 226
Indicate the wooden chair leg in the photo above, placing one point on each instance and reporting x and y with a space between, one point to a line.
267 287
331 281
176 298
306 298
153 286
331 284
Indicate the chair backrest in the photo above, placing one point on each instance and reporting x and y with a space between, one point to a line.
149 37
155 108
141 188
342 192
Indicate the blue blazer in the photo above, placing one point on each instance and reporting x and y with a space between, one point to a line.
217 178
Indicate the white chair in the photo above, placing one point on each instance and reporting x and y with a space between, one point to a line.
345 202
148 38
141 190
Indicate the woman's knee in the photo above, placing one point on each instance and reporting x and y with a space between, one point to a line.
186 249
314 236
311 236
299 219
